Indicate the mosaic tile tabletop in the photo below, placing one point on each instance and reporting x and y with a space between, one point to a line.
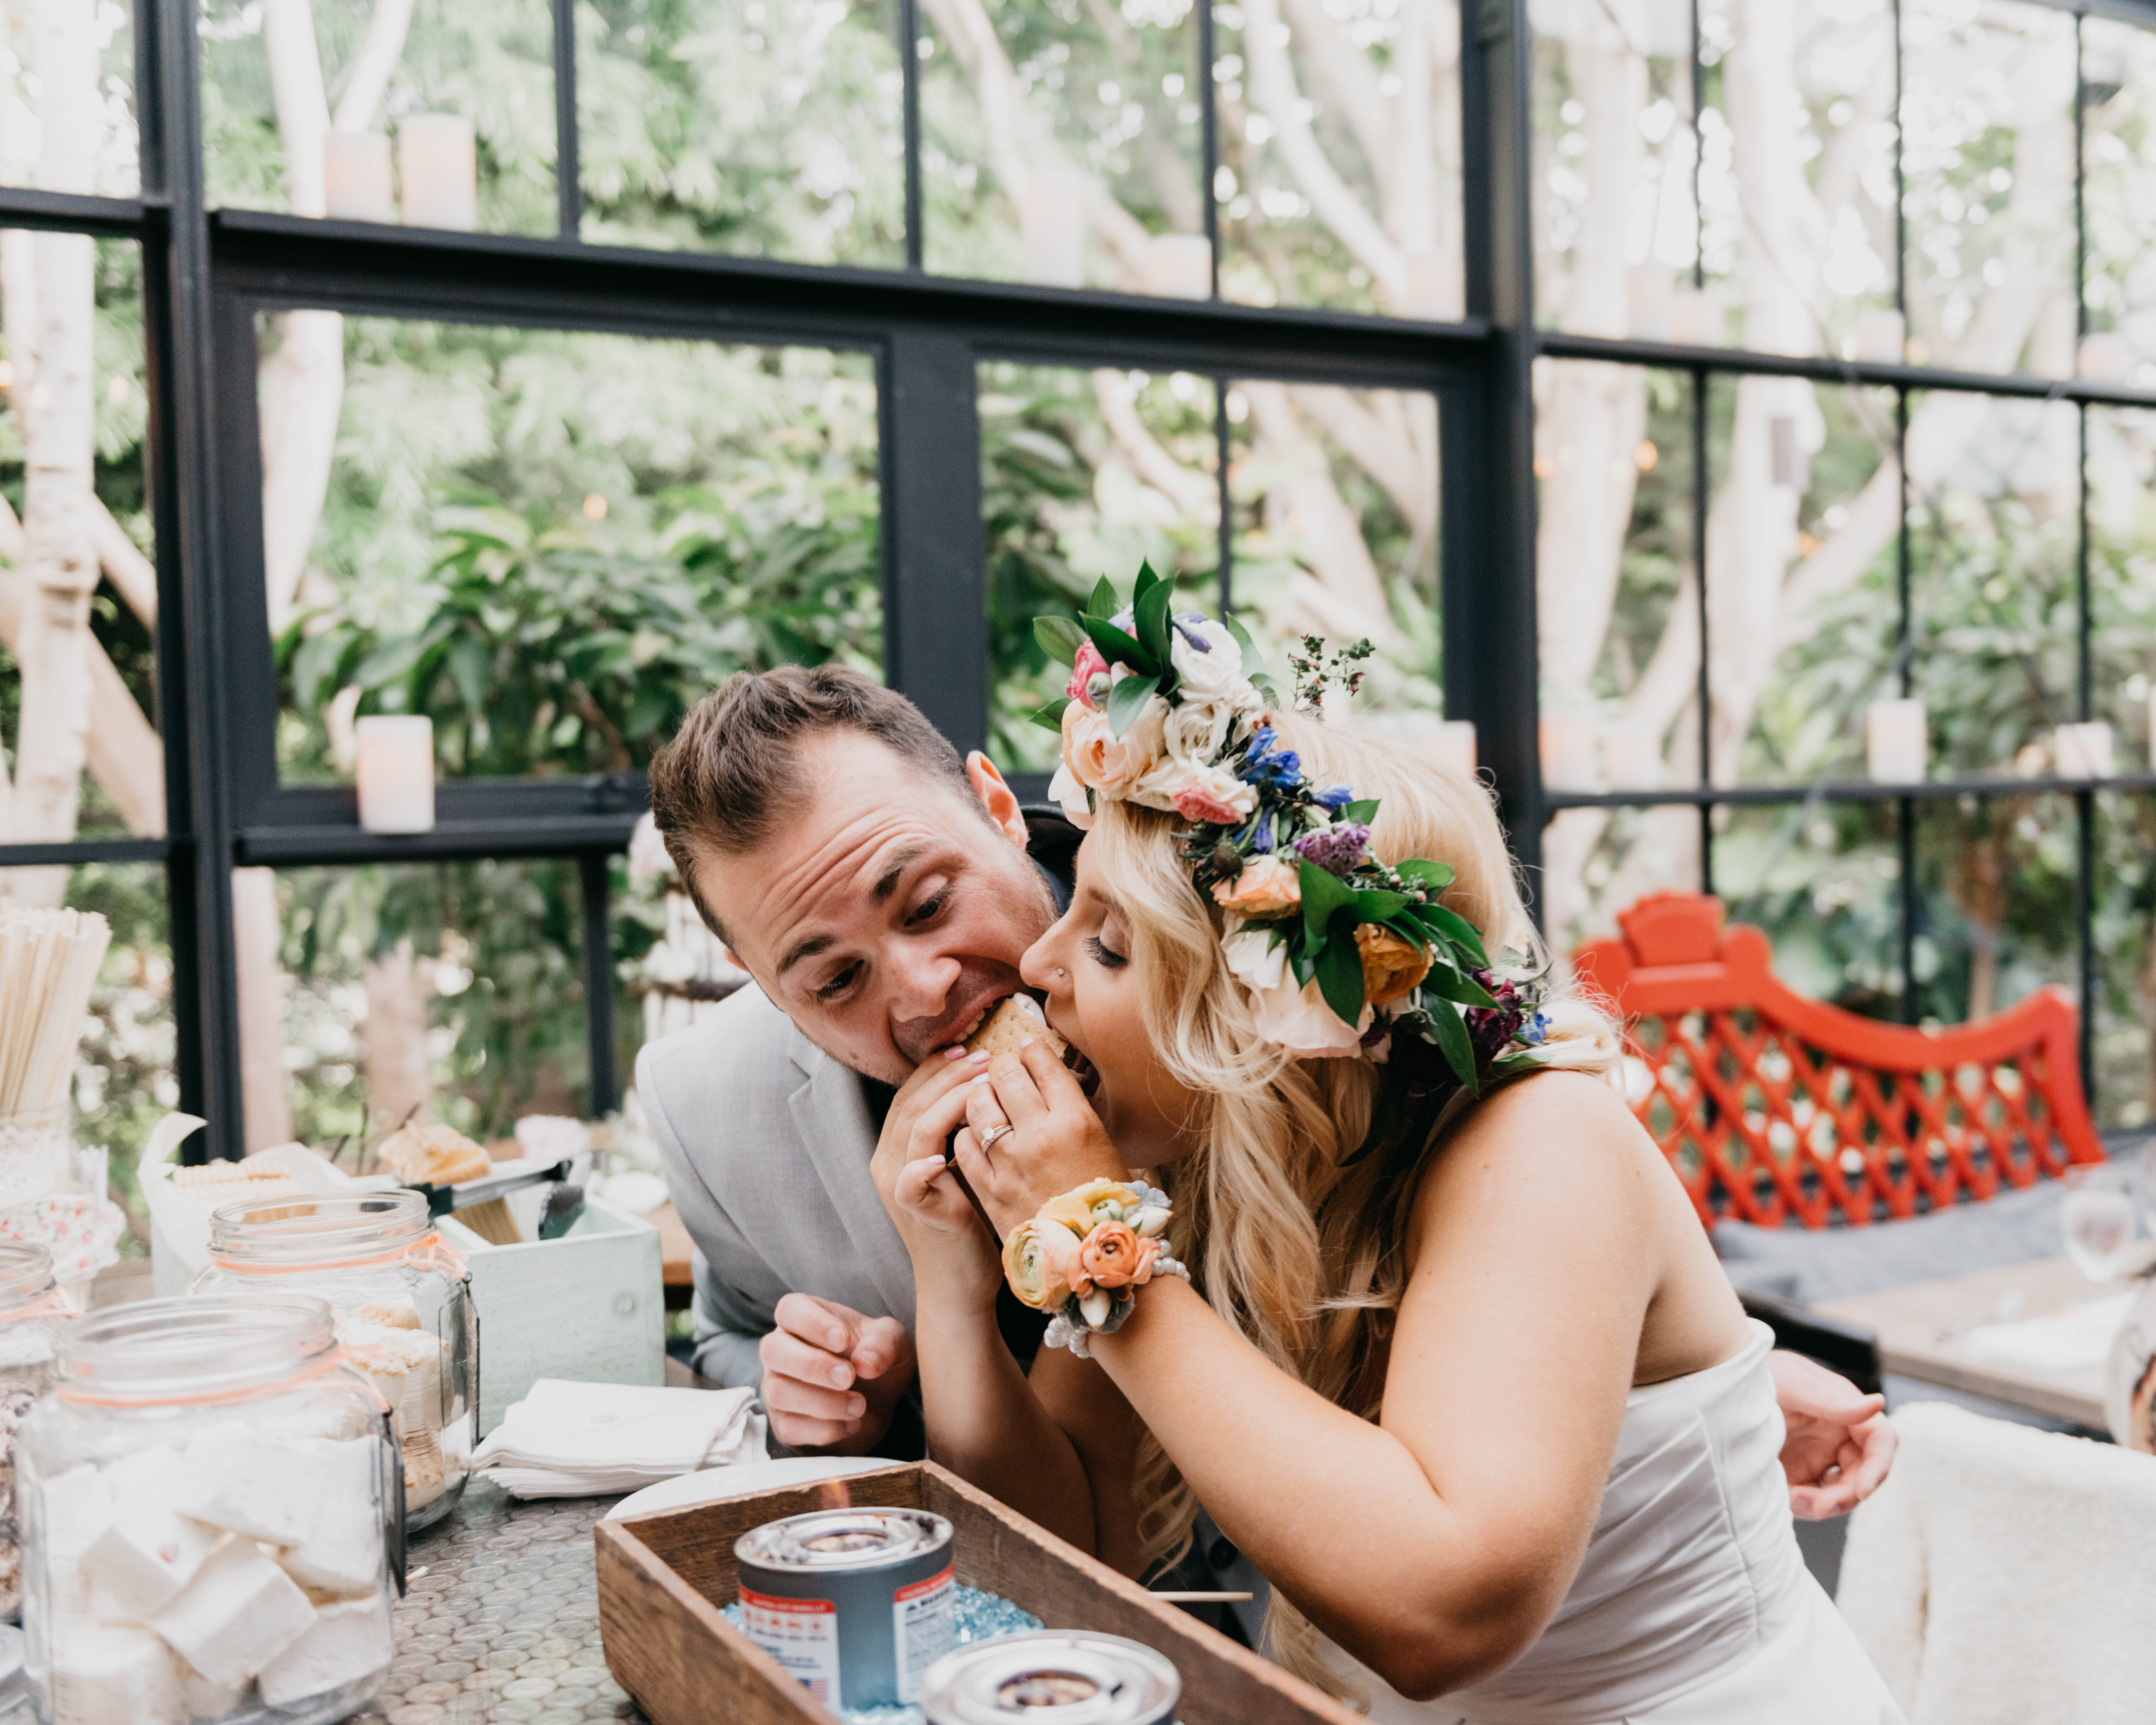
504 1623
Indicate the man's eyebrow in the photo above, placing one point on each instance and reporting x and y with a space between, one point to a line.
902 859
805 949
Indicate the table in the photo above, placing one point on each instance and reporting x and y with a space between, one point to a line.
1918 1329
674 1273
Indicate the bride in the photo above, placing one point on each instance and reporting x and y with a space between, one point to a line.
1454 1364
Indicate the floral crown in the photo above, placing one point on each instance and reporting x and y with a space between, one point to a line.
1345 954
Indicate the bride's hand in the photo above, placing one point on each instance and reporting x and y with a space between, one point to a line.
1031 1135
944 1236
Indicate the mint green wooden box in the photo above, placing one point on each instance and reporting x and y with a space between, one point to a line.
587 1306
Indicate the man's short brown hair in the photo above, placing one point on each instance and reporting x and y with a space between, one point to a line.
727 778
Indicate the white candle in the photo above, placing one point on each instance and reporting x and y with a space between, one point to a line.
356 182
1695 319
2083 751
1631 756
2107 357
1452 744
1179 266
1875 338
2152 730
1894 743
1431 287
396 772
1051 225
438 159
1568 744
1650 301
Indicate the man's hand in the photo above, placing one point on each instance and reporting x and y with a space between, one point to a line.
832 1377
1838 1444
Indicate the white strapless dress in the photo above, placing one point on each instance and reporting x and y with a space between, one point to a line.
1693 1606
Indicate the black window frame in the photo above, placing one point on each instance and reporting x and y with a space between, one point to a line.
205 273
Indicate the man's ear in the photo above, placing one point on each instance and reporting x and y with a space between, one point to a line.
996 797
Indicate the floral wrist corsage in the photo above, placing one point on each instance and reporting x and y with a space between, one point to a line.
1083 1259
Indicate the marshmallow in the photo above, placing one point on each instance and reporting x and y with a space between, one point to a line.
201 1699
347 1642
239 1613
78 1504
147 1553
114 1676
263 1488
342 1553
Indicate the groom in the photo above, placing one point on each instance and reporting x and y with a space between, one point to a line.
880 892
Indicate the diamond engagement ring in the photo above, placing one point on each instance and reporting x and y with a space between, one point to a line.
988 1138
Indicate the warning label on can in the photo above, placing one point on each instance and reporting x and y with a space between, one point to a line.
802 1636
925 1626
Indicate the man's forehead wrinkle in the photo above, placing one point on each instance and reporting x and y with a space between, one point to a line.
802 885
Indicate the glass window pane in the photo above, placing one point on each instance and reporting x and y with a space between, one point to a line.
771 128
1614 225
1083 474
1824 882
1340 170
1993 505
552 543
330 109
1996 922
67 79
1597 862
453 990
2122 478
1061 145
2125 960
1987 159
2118 120
1797 177
1801 576
1335 494
78 673
1616 596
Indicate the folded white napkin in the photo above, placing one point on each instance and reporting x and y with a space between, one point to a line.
568 1439
2070 1341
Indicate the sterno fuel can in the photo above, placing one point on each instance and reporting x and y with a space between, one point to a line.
1051 1677
856 1604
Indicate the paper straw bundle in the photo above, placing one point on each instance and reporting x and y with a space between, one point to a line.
49 964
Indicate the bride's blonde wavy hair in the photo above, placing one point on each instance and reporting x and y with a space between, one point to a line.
1306 1258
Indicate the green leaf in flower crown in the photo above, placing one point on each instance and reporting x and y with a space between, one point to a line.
1340 975
1322 895
1060 638
1145 581
1118 648
1448 984
1051 715
1434 876
1362 811
1266 686
1254 662
1103 600
1375 905
1150 625
1456 928
1126 700
1449 1030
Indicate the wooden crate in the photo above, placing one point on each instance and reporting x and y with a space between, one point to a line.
662 1578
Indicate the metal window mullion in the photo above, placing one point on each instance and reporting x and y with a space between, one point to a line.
596 878
909 79
1700 504
568 173
2085 804
1208 111
1904 656
1226 573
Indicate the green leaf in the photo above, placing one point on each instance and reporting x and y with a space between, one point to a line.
1150 621
1051 715
1449 985
1458 929
1254 662
1435 877
1060 638
1146 583
1266 686
1103 602
1362 811
1340 976
1126 700
1118 648
1322 895
1376 904
1449 1030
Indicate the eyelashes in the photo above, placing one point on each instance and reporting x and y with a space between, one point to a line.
1102 956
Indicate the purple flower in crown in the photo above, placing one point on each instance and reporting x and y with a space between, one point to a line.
1266 766
1335 849
1187 625
1334 798
1490 1027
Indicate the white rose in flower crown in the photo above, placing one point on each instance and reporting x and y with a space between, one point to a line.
1066 790
1298 1020
1213 672
1255 959
1198 729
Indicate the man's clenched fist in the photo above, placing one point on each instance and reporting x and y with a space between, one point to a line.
832 1377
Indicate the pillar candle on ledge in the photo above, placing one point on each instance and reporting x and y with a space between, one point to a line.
2152 730
1568 749
1895 742
438 159
1452 744
396 772
356 180
1631 756
1179 266
2083 751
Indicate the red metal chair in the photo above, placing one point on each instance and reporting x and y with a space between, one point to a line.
1773 1108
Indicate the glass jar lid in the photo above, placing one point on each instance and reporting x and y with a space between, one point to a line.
199 1349
319 1231
25 1277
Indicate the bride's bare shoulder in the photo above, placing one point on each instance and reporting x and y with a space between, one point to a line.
1569 1130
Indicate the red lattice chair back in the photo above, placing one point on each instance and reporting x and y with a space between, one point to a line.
1775 1109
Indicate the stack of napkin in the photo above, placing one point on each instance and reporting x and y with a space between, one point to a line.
567 1439
2075 1340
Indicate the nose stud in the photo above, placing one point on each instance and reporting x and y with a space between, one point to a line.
1062 972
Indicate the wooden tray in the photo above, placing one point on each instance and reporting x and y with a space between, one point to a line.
662 1578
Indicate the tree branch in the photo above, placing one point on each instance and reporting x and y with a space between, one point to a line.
367 77
133 576
1195 494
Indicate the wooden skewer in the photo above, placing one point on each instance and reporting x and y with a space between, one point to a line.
1202 1598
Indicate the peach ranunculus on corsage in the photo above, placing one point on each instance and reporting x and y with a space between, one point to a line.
1079 1211
1084 1257
1392 965
1041 1263
1114 1257
1266 887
